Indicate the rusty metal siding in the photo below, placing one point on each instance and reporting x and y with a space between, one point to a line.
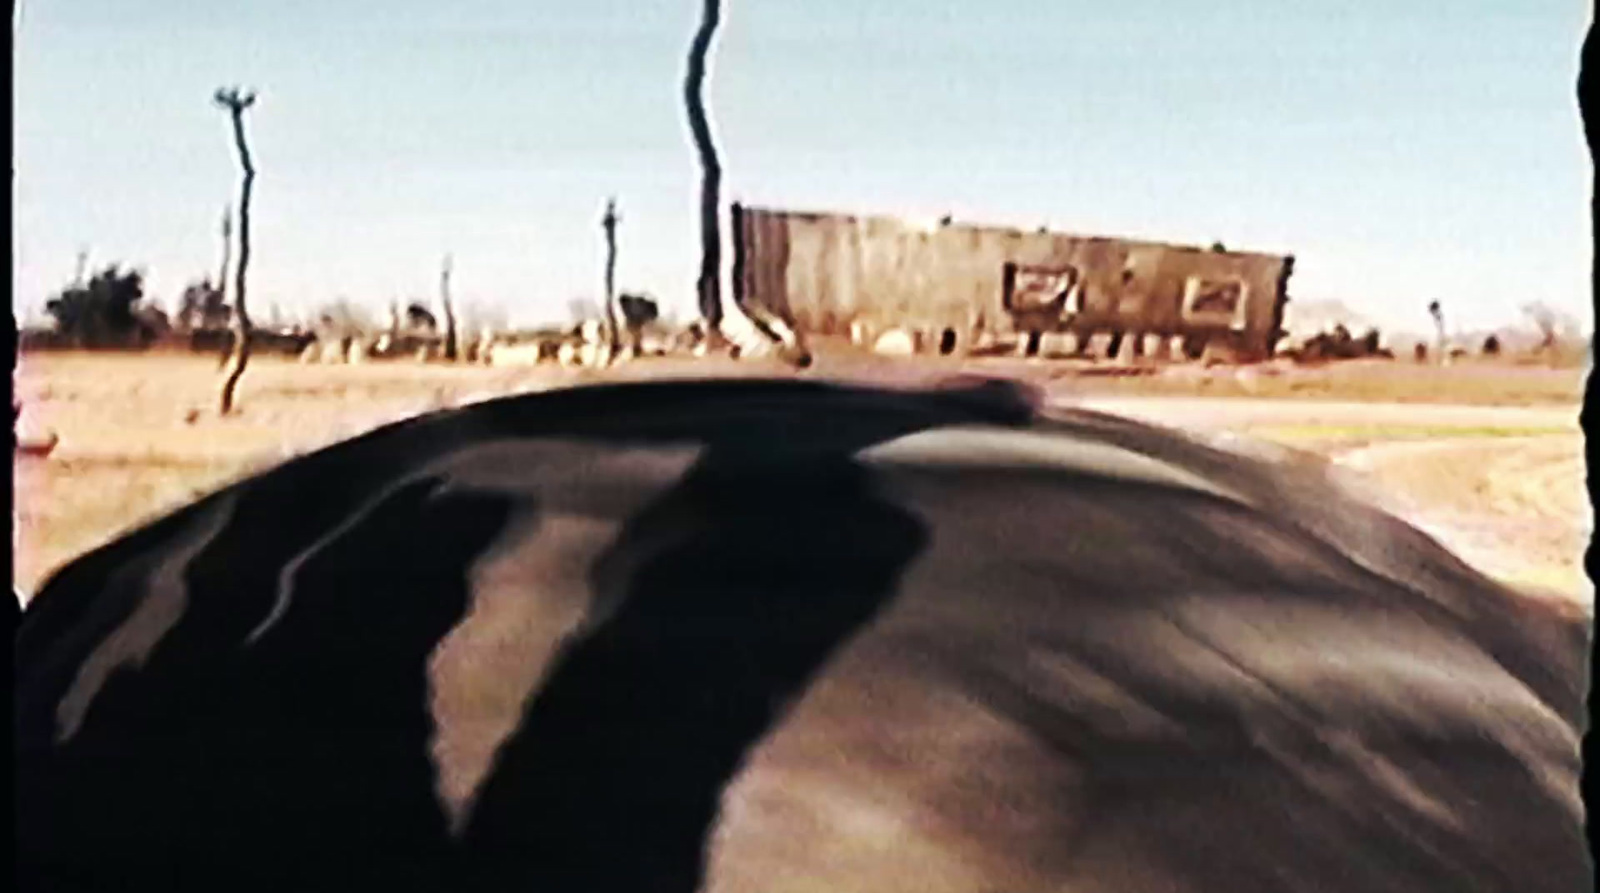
824 271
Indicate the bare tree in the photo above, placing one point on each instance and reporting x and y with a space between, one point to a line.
709 287
450 349
609 224
344 317
235 102
1437 312
1550 323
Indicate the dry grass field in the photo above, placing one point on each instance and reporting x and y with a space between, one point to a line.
1488 457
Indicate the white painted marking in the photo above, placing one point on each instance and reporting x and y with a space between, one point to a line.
999 447
532 593
165 598
285 593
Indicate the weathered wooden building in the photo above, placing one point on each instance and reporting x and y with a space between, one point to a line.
955 285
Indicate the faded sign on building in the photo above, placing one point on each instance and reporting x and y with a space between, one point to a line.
955 283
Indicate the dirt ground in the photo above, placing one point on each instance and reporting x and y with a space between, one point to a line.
1488 458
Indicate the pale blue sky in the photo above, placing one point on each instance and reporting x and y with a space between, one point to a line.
1403 150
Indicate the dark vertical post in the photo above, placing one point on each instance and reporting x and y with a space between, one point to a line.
708 287
613 333
236 103
450 346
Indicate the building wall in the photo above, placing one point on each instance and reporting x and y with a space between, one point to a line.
823 272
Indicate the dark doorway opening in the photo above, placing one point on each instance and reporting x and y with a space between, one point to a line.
947 343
